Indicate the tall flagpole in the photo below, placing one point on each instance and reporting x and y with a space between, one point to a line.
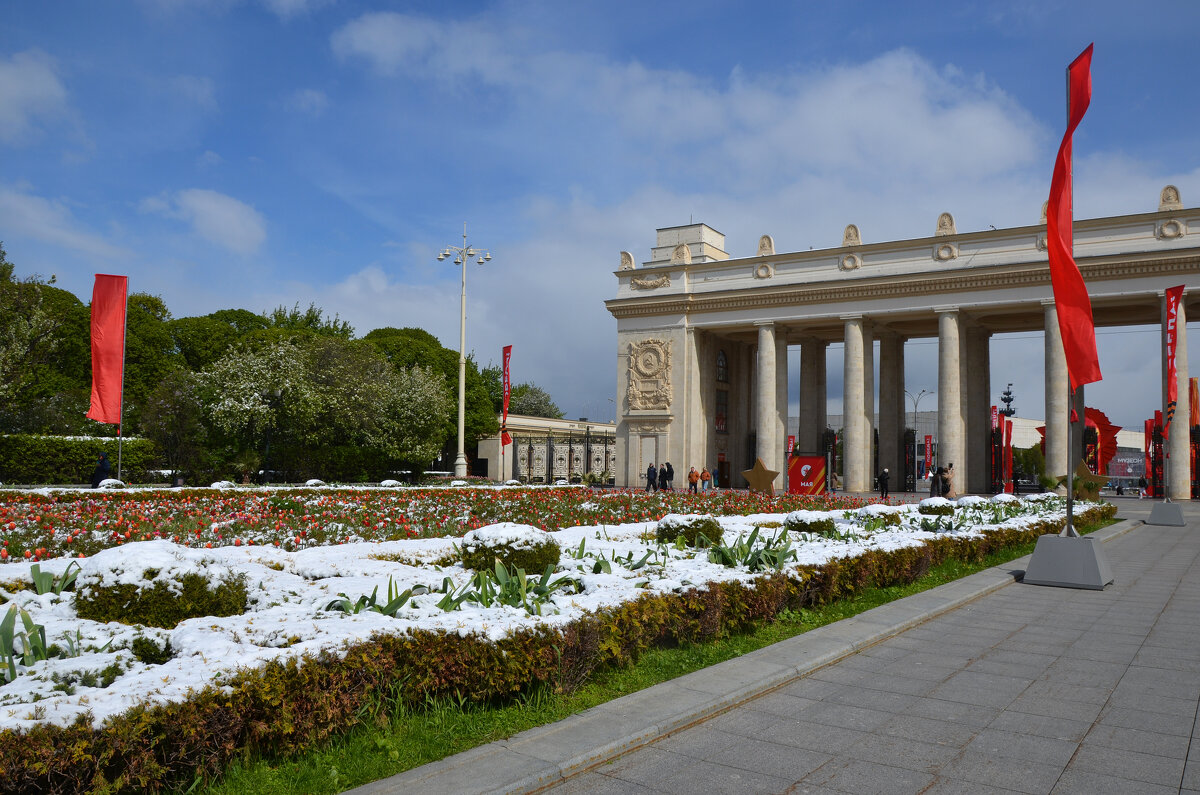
121 410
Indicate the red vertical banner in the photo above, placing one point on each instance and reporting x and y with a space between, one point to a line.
505 439
995 418
928 452
1148 442
1071 302
1193 402
1008 455
108 347
1174 294
791 444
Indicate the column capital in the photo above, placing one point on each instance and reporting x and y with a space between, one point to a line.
848 318
764 323
946 310
1047 303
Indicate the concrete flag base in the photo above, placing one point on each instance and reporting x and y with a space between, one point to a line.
1168 514
1066 562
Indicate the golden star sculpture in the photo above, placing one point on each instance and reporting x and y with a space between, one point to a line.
760 478
1087 485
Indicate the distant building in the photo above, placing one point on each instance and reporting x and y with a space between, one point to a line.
547 450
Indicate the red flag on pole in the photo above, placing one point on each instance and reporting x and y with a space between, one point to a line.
505 439
1071 301
1174 294
108 347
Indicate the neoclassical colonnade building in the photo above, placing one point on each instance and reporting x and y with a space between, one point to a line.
702 338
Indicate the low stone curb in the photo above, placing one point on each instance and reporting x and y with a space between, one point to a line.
542 756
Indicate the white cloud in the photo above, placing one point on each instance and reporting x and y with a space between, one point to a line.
30 91
23 214
209 159
286 9
198 91
215 217
309 100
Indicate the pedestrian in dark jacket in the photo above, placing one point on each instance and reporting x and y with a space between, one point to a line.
662 477
670 477
883 483
935 483
651 477
102 470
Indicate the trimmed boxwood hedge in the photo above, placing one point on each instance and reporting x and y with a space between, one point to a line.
533 559
42 460
289 706
160 605
691 528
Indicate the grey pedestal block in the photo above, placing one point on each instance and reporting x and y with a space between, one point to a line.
1168 514
1067 562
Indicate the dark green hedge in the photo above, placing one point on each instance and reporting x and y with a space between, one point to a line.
286 707
44 460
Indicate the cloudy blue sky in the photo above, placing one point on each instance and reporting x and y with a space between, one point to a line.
255 153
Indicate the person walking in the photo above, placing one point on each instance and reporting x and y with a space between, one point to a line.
705 479
670 477
1142 487
693 480
883 484
102 470
651 477
662 478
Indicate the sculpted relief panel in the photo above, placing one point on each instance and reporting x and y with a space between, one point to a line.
649 375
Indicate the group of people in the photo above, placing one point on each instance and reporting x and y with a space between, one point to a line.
662 478
941 483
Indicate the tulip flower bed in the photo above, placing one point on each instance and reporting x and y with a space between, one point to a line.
54 523
366 610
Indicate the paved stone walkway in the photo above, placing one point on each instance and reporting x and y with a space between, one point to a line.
981 685
1028 689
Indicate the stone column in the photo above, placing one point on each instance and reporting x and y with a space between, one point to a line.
1058 412
891 406
812 395
695 441
868 408
1179 464
979 409
781 404
854 437
950 425
765 415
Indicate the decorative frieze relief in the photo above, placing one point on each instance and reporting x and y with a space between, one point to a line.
851 237
945 225
766 246
649 375
1169 199
1169 230
764 270
946 251
850 262
648 427
646 283
626 261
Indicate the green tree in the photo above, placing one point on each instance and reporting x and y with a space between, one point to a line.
149 352
311 320
203 340
45 366
533 401
173 418
408 347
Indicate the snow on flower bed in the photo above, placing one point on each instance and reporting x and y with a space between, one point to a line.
290 590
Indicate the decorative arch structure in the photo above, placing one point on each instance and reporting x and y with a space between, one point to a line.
692 302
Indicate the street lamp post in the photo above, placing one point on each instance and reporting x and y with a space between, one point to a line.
462 255
916 401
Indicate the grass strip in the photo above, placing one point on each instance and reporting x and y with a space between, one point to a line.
443 727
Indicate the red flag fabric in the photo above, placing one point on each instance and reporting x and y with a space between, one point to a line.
504 436
108 347
1174 294
1071 301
